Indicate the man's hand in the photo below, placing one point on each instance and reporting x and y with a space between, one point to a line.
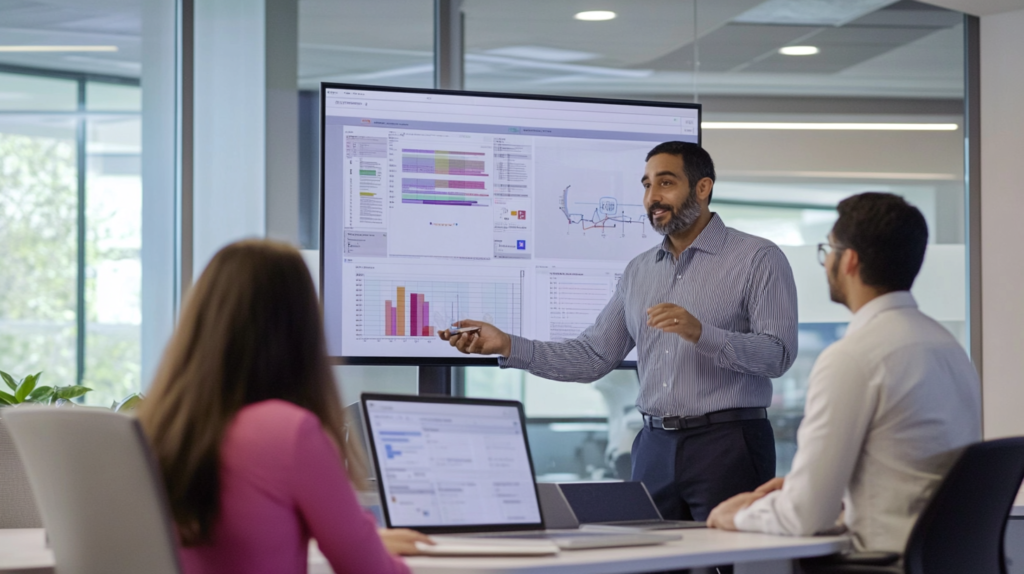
487 340
402 541
771 486
674 319
723 514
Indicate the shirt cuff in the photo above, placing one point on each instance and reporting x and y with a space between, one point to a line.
520 356
712 340
751 518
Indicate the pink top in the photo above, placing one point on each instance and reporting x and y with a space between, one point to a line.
283 482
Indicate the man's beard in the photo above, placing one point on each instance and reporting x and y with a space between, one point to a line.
834 292
683 217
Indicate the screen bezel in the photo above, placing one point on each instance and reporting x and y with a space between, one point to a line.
366 397
455 361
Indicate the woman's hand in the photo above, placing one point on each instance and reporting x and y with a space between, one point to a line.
402 541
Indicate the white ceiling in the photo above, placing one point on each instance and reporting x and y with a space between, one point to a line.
980 7
903 50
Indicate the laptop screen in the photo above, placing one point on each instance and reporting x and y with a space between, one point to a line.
610 501
448 464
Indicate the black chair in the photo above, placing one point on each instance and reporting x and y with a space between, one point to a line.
961 529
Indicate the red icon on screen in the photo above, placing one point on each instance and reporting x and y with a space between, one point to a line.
522 214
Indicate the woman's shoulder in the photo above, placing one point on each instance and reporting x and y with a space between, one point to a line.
273 421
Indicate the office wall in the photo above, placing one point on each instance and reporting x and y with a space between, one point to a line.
1002 235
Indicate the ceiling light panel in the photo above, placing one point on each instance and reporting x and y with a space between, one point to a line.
799 50
828 126
595 15
543 53
58 48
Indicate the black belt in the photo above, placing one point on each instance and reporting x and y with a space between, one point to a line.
728 416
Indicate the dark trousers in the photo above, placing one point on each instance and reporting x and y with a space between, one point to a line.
688 472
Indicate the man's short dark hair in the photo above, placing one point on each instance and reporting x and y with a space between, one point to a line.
888 234
697 163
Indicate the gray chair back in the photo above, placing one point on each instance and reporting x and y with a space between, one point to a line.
98 489
17 506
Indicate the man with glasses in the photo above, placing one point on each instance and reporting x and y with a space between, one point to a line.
889 406
712 314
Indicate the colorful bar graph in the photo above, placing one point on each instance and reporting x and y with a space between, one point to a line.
443 162
418 316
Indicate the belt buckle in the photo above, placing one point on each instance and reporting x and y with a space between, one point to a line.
694 421
671 423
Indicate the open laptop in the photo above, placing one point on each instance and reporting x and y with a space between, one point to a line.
462 466
618 504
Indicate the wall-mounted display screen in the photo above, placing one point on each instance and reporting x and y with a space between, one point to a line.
437 206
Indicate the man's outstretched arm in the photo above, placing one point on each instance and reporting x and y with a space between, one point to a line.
588 357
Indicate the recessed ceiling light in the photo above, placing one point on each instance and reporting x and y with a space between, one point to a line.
799 50
595 15
58 48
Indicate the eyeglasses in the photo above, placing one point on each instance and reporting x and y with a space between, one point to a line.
824 249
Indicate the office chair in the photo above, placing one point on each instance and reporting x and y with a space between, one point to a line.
17 506
98 489
961 529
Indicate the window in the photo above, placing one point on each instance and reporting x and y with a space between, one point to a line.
70 301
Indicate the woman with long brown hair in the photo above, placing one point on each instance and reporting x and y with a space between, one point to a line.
247 425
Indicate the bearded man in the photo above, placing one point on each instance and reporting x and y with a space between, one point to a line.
712 313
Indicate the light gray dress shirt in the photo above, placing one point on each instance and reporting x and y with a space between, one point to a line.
740 287
889 407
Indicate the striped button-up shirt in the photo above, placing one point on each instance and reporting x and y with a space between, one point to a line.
740 287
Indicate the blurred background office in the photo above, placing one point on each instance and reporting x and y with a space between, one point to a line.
138 136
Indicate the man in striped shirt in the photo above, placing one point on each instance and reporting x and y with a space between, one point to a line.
712 313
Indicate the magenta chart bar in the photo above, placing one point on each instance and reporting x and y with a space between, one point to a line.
414 315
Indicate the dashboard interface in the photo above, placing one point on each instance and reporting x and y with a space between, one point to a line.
444 464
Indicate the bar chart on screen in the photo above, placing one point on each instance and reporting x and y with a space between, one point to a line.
403 307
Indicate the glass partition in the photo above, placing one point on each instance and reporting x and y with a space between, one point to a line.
876 104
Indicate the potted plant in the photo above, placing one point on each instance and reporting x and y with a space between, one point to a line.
27 391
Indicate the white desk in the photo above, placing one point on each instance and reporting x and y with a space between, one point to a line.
23 552
698 548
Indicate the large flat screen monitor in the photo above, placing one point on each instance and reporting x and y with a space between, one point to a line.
438 206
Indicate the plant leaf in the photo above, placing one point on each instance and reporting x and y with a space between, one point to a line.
68 393
26 387
7 399
40 394
9 380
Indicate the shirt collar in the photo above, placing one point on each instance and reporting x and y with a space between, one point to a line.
710 240
878 305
